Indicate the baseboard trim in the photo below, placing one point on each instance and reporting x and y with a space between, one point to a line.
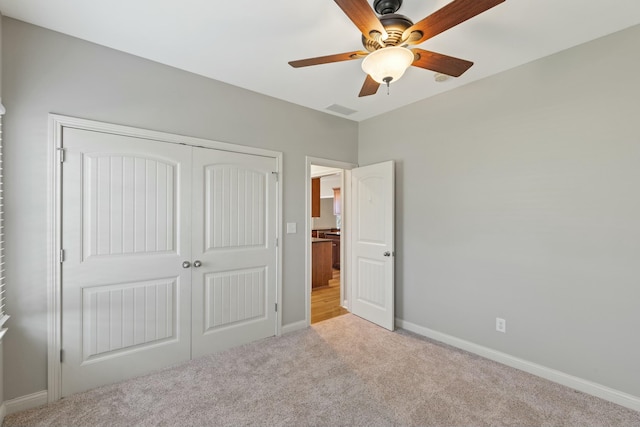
589 387
3 412
296 326
29 401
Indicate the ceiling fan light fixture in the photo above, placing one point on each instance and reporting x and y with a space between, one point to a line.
387 64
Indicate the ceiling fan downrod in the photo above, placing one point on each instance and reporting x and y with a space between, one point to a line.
385 7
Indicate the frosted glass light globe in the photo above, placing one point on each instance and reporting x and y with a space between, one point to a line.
387 64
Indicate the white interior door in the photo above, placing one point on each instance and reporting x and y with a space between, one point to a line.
372 247
234 248
126 231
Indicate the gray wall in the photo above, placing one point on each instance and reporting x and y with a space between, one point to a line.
48 72
519 197
326 219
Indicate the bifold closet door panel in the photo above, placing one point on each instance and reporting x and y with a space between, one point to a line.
126 299
234 239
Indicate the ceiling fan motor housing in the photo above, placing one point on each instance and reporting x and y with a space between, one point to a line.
394 24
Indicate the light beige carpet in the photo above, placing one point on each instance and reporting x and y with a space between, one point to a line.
344 371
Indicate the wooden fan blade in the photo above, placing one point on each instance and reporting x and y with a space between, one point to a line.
363 16
449 16
347 56
440 63
370 87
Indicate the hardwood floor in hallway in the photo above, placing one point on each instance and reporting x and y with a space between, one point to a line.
325 302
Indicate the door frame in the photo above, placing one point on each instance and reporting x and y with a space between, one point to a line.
54 224
345 250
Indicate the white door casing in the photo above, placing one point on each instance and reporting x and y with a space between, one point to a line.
126 298
372 266
127 208
235 224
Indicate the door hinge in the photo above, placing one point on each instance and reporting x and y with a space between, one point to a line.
276 307
61 255
61 355
276 175
276 242
61 154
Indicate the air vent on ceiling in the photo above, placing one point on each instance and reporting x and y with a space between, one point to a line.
341 110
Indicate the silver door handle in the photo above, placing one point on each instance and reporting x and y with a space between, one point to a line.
186 264
197 263
387 253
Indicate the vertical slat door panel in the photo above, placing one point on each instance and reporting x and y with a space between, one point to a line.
102 213
234 292
140 204
234 297
151 219
234 212
128 205
115 201
371 289
107 325
128 317
128 211
115 319
126 230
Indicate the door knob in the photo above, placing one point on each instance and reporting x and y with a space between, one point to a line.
186 264
197 263
387 253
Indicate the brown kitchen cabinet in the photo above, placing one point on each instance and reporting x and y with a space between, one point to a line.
315 197
321 259
335 248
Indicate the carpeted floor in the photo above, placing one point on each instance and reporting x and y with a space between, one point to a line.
344 371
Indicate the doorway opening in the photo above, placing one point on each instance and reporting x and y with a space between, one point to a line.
326 220
327 231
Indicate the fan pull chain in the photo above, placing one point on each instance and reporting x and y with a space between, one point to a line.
387 80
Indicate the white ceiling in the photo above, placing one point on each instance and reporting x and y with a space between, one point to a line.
247 43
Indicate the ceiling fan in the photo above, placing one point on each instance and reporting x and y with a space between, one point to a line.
386 39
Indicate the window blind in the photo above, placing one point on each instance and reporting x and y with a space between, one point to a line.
3 314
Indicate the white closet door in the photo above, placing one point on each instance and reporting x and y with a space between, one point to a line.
234 238
126 232
372 266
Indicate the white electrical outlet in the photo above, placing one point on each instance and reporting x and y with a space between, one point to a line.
501 325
